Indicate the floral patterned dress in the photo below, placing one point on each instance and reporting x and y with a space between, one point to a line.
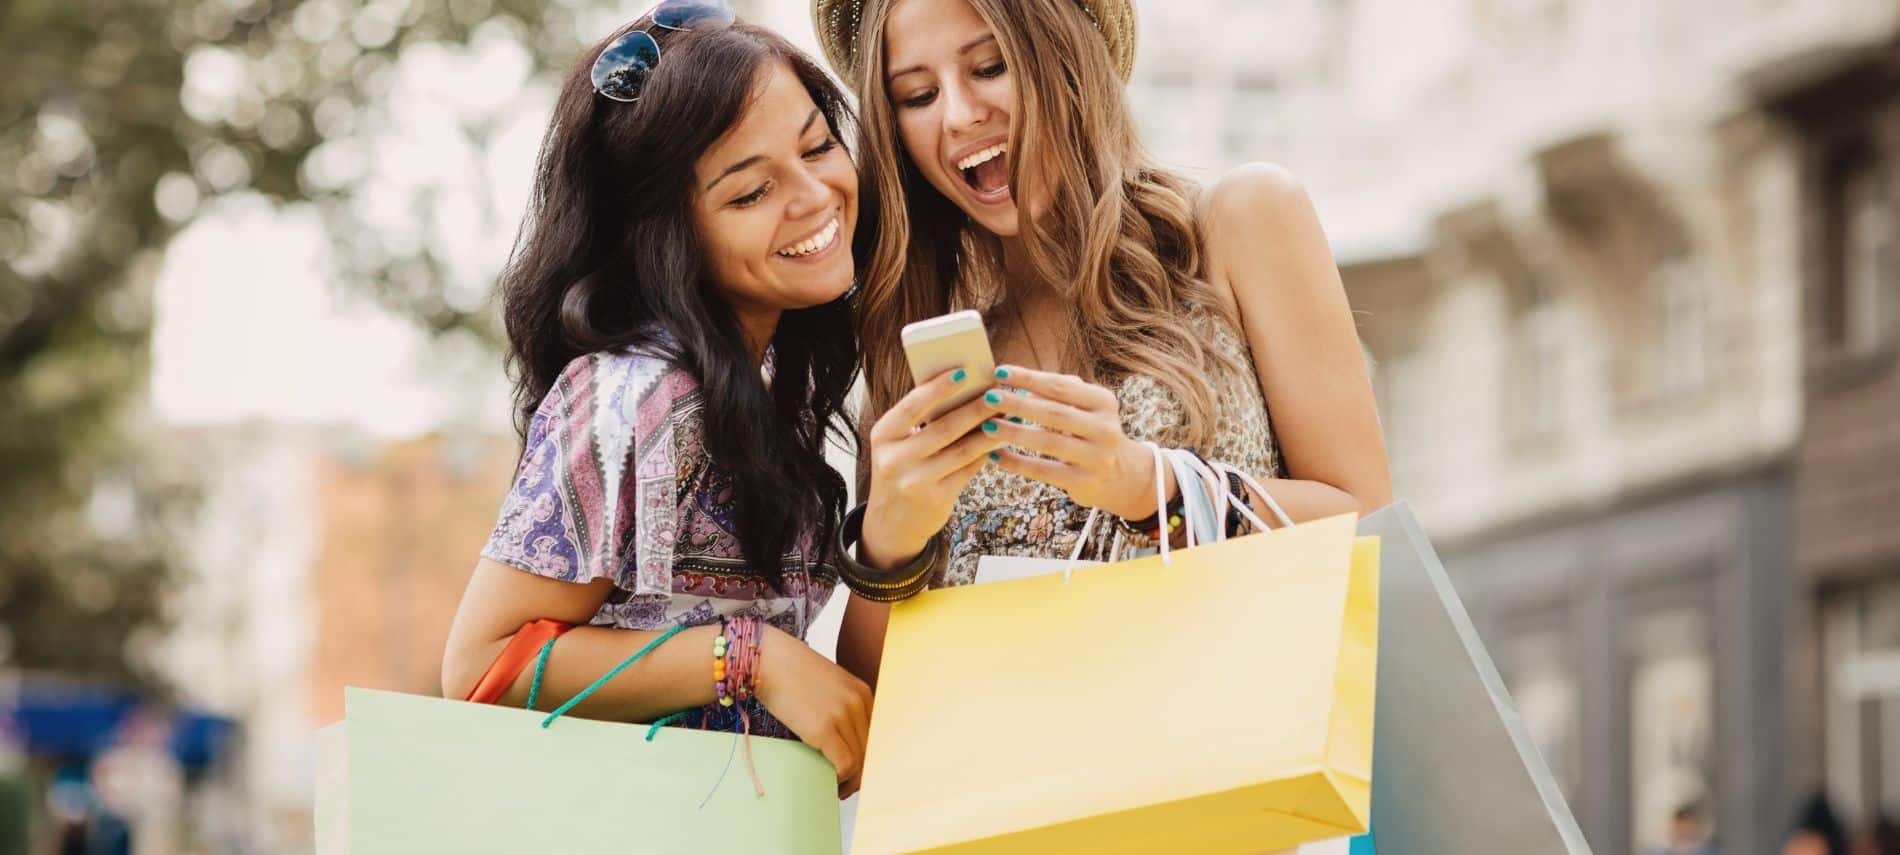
615 483
1002 513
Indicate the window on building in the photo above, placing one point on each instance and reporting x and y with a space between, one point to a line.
1537 670
1858 246
1406 398
1671 721
1539 350
1682 340
1860 649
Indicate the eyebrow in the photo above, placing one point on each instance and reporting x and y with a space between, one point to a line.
973 45
756 159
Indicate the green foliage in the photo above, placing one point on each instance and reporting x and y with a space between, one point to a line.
106 151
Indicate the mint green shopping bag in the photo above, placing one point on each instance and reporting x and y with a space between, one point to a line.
408 774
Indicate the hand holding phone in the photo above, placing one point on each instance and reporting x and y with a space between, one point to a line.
946 343
918 473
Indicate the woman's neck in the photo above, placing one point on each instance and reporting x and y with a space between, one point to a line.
1034 314
1021 283
758 329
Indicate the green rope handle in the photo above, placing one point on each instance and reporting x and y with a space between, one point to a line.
584 693
540 667
671 719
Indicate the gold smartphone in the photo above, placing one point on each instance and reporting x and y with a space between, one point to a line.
956 340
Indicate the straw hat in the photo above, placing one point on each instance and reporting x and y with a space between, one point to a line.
837 24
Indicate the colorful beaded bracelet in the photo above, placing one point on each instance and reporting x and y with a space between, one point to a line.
736 659
1151 526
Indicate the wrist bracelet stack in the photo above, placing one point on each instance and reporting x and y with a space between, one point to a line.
736 659
1164 523
1237 495
883 586
1152 526
735 671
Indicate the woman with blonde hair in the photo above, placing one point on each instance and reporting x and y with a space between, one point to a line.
1001 171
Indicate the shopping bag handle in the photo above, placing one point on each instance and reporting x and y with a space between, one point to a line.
514 659
1115 548
1212 478
535 640
540 670
1279 513
541 664
1215 473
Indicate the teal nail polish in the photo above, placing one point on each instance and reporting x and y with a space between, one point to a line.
995 457
1002 374
991 427
992 398
1023 392
1016 419
959 376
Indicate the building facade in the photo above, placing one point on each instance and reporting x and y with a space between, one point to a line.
1842 102
324 559
1600 252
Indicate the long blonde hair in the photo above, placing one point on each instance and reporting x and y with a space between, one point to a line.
1119 234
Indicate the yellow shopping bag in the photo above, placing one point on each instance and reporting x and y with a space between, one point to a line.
1218 701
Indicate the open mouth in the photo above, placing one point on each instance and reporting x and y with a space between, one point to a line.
987 172
815 244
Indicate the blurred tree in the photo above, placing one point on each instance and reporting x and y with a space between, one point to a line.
120 120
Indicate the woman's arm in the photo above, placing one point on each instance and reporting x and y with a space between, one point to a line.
1266 247
826 707
861 637
675 676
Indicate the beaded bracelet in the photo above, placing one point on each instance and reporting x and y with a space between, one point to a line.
736 681
736 659
1162 523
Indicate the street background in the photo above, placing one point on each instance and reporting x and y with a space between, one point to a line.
1625 271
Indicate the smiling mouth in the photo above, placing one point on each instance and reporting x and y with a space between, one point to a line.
987 172
816 243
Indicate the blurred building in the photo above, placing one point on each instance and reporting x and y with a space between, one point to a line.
1843 104
1582 238
325 559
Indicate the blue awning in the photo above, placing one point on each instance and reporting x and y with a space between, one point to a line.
75 722
201 739
67 721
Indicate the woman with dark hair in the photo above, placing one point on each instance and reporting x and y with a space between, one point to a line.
682 349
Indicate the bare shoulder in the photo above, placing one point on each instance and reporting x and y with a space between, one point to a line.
1251 196
1258 221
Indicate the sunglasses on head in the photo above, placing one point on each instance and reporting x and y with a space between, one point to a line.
623 68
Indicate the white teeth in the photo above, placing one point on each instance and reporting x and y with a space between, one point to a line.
819 241
984 156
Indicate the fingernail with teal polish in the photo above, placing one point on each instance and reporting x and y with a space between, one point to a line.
1016 419
991 427
995 457
959 376
992 398
1002 374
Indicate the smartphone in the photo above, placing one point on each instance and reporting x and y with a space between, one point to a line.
956 340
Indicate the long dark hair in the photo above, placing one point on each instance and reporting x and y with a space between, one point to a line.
607 258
